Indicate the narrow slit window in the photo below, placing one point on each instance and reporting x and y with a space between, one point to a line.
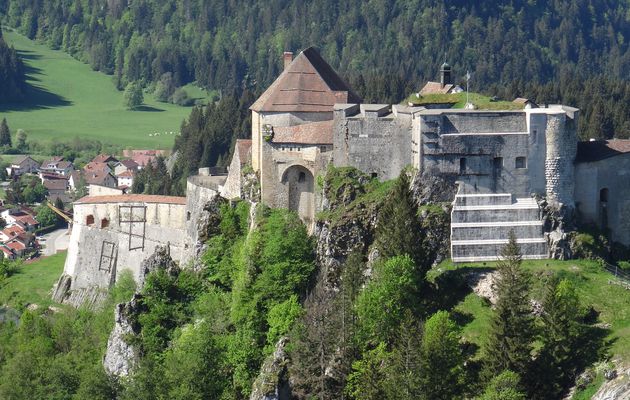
462 165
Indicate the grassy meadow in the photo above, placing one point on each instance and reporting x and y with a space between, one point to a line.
33 282
67 99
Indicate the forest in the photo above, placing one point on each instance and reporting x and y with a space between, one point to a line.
574 52
12 79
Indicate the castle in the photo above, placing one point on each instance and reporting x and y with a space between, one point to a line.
501 160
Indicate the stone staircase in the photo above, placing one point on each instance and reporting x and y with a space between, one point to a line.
480 224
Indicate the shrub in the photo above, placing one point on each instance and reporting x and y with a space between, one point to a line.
181 98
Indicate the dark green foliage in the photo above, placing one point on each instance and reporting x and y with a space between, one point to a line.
383 304
5 133
46 216
575 52
512 326
12 79
399 231
562 337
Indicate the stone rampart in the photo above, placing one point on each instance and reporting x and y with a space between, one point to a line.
111 235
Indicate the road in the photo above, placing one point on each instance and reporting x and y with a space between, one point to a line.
55 241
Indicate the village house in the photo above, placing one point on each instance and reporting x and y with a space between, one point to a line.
125 179
100 178
22 165
94 166
126 165
56 166
104 159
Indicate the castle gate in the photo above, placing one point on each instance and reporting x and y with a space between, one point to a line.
299 183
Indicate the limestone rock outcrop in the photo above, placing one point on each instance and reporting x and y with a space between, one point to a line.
272 383
617 388
121 356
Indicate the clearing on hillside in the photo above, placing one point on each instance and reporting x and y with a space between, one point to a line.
67 99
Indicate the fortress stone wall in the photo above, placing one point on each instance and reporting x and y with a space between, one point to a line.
114 233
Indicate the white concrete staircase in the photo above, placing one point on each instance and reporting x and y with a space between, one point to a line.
480 224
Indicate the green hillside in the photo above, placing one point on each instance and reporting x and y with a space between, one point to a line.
594 286
66 99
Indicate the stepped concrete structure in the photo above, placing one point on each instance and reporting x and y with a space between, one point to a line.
481 223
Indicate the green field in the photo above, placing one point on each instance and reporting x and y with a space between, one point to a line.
33 282
67 99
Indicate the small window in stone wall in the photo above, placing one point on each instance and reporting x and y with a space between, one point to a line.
104 223
302 177
497 163
188 216
374 175
89 220
521 162
462 165
534 135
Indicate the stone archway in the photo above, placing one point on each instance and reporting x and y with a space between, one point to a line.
299 183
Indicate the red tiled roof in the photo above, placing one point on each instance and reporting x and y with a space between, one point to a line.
104 158
130 164
126 174
311 133
143 159
16 245
601 149
132 198
243 146
436 87
97 177
131 153
27 219
12 231
96 166
56 184
308 84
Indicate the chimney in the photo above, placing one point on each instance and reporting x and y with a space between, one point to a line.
288 58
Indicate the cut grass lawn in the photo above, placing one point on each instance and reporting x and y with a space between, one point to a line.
32 283
458 100
67 99
611 301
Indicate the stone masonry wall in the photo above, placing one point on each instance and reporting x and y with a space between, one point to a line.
561 141
98 251
381 146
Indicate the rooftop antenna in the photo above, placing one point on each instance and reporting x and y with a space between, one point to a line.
467 79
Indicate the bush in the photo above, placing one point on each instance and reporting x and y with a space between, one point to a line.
181 98
624 265
589 245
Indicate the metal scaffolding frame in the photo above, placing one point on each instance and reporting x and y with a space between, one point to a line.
107 256
135 218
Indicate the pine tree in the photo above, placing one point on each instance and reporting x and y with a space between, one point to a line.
442 359
5 133
561 335
399 231
512 325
